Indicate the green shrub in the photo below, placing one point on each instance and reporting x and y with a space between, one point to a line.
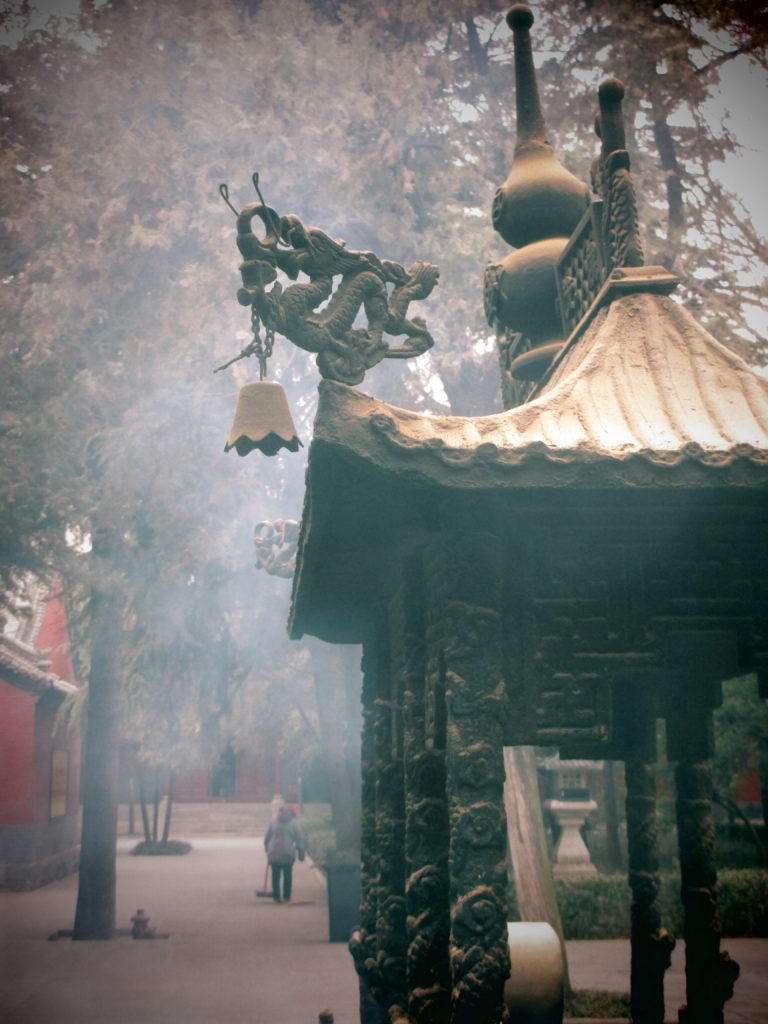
321 839
737 846
598 907
592 1003
594 908
156 848
738 853
743 902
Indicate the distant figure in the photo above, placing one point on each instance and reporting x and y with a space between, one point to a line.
140 926
283 841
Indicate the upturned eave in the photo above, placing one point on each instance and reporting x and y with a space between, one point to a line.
647 406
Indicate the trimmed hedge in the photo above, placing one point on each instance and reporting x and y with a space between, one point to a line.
156 848
598 907
321 839
594 1004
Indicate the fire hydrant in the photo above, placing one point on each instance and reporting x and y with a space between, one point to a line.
140 926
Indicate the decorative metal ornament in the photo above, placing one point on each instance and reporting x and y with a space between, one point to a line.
335 287
262 420
276 545
343 349
262 417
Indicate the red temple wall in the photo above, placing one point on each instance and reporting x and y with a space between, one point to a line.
39 836
54 639
749 789
17 753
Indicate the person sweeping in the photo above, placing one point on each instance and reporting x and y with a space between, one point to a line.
283 841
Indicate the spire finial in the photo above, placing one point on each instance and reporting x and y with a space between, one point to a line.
531 129
540 198
535 210
609 95
620 226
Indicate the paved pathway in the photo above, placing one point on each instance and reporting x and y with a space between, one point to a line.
604 964
233 957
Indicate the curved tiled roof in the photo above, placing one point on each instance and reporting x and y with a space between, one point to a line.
645 383
26 667
22 663
646 404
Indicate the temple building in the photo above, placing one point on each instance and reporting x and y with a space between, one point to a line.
39 757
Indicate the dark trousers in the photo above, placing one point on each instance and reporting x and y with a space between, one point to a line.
286 870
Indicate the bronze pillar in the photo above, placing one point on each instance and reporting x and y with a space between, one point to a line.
710 975
651 945
699 660
363 944
635 725
468 575
390 831
426 833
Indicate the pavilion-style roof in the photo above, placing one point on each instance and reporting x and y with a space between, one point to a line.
645 390
630 397
646 400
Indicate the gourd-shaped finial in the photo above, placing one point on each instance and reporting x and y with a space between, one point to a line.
540 198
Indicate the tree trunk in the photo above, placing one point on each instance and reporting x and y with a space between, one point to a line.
143 803
95 910
132 804
612 843
762 767
673 174
534 884
156 797
168 806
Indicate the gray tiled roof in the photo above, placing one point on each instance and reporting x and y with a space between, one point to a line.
646 386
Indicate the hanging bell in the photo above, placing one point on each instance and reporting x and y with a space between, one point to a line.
262 420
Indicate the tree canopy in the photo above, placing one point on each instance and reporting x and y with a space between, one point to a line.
741 738
388 124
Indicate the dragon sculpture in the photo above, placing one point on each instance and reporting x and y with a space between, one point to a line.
343 349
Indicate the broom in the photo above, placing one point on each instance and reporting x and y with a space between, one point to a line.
268 892
265 891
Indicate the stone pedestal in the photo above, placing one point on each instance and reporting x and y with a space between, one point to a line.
571 854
